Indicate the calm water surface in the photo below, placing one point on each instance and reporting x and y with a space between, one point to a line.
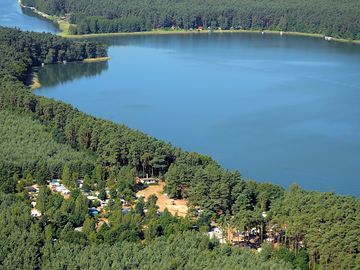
11 15
279 109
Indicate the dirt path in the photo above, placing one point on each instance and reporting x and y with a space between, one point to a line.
178 207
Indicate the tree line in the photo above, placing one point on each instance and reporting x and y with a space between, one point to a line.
335 18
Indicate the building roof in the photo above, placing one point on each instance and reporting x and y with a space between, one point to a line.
30 189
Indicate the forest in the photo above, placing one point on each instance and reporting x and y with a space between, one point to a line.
332 18
44 139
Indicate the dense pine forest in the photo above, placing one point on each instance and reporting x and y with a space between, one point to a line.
333 18
44 139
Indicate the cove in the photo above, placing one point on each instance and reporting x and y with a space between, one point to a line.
278 109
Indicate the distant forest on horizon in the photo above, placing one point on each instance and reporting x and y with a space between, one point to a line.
340 19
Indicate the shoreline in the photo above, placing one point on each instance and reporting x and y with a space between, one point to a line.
62 23
33 80
195 32
65 25
93 60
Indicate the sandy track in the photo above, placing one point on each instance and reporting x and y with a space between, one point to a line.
178 207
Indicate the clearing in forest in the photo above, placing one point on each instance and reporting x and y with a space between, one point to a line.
178 207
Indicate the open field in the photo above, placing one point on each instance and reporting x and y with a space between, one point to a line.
178 207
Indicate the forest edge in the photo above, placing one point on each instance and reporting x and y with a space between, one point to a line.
64 26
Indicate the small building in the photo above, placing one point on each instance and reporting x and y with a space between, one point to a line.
93 211
30 189
79 183
92 198
125 203
254 231
35 213
217 233
200 28
104 203
78 229
54 183
147 181
62 189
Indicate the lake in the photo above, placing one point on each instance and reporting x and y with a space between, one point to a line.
12 15
278 109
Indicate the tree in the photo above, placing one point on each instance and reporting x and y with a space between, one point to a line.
81 209
89 226
50 57
98 174
66 176
113 193
43 199
87 184
41 173
102 194
139 207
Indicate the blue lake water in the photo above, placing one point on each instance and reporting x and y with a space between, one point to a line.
279 109
12 15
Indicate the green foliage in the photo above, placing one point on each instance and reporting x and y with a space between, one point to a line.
43 138
335 18
102 194
81 210
139 207
26 146
42 201
66 175
26 244
325 222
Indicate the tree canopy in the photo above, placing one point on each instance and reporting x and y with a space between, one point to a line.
335 18
44 138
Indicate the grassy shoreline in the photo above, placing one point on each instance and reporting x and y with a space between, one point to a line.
195 32
64 26
98 59
32 79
